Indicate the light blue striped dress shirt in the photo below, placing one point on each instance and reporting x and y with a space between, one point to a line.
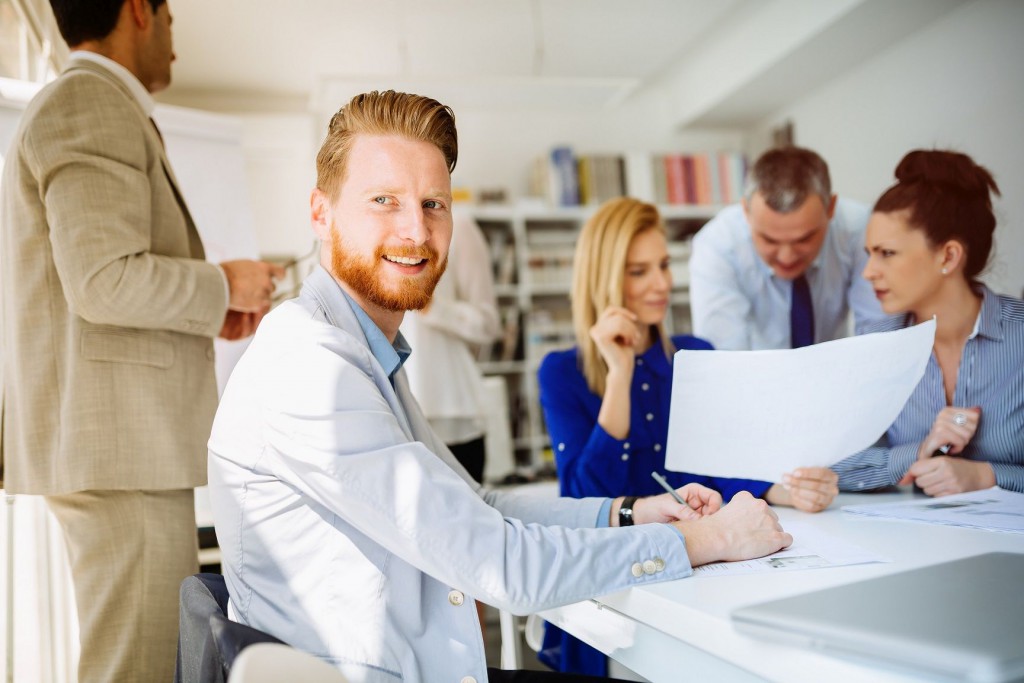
991 375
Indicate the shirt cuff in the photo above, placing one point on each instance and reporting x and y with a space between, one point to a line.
901 458
1009 477
604 514
227 287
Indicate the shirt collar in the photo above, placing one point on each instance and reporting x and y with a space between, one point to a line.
656 360
133 84
390 356
990 317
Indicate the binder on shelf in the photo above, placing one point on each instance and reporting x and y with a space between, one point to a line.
564 169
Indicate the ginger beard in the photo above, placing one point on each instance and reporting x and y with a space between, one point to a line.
368 279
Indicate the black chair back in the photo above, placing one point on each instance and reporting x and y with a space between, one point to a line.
208 641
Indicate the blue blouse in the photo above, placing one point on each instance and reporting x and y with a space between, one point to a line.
991 375
591 462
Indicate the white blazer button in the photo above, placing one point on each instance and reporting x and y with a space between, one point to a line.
468 679
637 569
650 567
456 598
659 564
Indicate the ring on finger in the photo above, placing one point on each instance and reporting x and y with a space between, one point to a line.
960 419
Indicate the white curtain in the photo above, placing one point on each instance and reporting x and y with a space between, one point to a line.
40 626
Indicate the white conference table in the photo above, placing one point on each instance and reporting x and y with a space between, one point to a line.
680 630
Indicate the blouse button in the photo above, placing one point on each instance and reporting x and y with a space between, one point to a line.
625 457
645 386
639 361
626 445
657 448
650 416
561 447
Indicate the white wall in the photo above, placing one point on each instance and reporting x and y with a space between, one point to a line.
496 148
954 84
280 158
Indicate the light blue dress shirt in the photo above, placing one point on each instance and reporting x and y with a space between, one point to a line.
738 303
991 376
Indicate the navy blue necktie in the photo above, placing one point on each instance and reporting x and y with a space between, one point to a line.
801 314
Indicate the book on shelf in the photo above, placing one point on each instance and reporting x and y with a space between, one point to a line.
564 172
699 179
695 179
503 257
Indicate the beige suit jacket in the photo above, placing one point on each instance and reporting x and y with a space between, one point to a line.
108 307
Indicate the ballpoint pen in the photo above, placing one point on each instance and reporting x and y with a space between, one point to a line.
665 485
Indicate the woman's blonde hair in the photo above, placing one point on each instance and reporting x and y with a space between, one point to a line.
599 269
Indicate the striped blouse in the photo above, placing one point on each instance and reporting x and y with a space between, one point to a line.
991 375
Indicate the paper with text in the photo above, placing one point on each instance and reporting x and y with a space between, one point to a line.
760 414
993 509
811 549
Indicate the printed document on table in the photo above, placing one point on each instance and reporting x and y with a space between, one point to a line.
993 509
811 549
760 414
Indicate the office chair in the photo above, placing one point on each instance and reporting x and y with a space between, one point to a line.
272 663
209 642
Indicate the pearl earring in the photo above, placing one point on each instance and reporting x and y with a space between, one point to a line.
945 271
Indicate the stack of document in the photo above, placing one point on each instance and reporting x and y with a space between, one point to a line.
991 509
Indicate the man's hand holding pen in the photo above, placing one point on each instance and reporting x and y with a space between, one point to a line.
690 502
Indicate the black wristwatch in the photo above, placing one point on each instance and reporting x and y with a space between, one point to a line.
626 511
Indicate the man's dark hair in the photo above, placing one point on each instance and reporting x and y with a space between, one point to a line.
82 20
786 176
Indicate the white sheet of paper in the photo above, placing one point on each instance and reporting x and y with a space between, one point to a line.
760 414
811 549
993 509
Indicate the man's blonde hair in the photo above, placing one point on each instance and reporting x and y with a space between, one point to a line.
598 279
384 113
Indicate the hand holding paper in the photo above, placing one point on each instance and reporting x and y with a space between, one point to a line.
759 414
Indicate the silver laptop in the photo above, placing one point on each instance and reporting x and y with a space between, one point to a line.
959 620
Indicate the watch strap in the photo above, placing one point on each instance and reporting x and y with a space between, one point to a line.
626 511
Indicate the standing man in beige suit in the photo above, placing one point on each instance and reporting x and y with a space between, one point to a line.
109 311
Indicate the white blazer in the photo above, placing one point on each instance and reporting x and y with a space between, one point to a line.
348 530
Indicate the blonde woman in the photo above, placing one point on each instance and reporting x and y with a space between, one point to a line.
606 401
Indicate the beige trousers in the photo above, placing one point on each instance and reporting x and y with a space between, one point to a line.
129 552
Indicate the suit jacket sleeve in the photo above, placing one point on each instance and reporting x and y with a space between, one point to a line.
118 230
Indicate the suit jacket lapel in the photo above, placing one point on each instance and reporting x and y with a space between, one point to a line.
320 285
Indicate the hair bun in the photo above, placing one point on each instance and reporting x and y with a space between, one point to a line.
952 170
